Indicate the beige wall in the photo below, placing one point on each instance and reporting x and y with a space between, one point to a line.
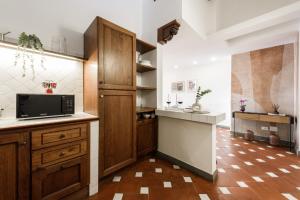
264 77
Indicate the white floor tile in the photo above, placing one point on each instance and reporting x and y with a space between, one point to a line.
231 155
270 147
158 170
289 196
288 152
237 145
224 190
118 196
260 148
246 143
251 150
187 179
271 174
257 179
219 157
254 142
204 197
260 160
144 190
298 188
176 167
280 155
221 170
139 174
235 167
284 170
217 148
242 184
167 184
295 166
248 163
242 152
117 179
271 157
152 160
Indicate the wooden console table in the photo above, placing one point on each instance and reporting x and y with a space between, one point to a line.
264 117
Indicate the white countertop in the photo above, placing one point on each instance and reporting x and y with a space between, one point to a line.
210 118
14 123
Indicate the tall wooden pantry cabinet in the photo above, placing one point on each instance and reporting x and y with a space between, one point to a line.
110 91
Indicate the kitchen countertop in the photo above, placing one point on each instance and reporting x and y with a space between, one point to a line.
13 123
210 118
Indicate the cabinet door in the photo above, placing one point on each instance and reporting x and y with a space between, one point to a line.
117 130
117 63
14 166
58 181
146 136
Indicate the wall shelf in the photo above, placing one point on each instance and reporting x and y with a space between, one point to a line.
12 45
147 88
144 109
143 47
144 68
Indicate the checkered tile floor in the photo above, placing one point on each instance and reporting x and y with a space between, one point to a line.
246 170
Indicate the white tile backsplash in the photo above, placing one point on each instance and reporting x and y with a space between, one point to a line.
67 73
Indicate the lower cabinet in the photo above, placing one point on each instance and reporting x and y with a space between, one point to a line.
146 136
60 180
14 166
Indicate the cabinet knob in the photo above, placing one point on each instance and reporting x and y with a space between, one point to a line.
101 96
62 136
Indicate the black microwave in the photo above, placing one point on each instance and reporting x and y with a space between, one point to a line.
41 106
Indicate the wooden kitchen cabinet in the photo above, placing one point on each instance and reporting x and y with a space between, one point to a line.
14 166
146 136
60 180
117 130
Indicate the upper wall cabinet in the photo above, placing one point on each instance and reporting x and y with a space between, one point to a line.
113 49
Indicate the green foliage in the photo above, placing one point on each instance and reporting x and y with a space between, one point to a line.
202 93
30 41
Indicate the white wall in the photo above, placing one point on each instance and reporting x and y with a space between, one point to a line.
231 12
200 15
67 73
214 76
157 14
69 18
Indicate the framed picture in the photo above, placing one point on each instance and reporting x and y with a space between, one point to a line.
191 85
178 86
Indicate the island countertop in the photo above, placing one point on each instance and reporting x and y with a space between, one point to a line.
13 123
210 118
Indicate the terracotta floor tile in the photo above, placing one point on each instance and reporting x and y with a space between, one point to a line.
270 189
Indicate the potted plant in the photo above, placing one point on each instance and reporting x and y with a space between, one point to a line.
197 106
243 105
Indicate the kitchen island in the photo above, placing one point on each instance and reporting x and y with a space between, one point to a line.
189 140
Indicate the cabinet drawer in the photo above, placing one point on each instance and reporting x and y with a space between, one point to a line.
50 156
246 116
275 119
60 180
59 135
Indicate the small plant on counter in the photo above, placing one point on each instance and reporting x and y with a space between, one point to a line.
49 86
276 108
197 106
243 105
23 55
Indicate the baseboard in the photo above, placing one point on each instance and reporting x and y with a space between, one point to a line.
266 139
188 167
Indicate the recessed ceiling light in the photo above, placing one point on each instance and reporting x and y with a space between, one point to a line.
213 59
176 66
195 62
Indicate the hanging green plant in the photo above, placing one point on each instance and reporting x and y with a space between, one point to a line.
26 42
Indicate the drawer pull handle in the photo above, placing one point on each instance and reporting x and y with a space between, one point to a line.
62 154
62 136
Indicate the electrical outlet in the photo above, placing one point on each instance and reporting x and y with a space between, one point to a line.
264 128
274 128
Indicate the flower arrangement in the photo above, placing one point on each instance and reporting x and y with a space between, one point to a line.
200 93
49 86
276 108
243 105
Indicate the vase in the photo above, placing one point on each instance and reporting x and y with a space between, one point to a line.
243 108
197 106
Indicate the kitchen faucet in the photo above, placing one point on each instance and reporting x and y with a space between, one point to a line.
2 35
